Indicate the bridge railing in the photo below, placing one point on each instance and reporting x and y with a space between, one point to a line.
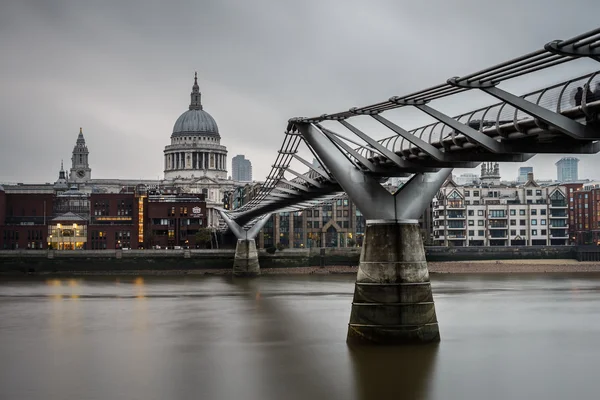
497 118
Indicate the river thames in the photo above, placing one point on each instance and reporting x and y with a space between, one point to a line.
283 337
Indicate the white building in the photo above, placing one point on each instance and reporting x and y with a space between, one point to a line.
491 214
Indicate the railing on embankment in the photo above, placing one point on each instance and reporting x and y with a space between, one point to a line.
588 253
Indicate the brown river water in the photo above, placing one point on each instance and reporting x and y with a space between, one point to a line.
525 336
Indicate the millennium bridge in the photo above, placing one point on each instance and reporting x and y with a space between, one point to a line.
393 301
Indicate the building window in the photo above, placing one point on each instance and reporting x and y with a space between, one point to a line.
480 213
543 211
513 212
513 222
538 192
522 232
480 233
534 222
534 232
471 222
467 193
513 232
542 222
521 212
471 233
533 211
471 213
480 223
476 193
497 213
529 192
544 232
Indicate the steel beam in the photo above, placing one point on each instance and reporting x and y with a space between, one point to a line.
427 148
558 121
294 184
370 197
310 166
483 140
306 178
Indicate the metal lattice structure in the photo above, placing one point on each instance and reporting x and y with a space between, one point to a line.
550 120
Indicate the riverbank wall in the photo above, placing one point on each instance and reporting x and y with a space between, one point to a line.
53 261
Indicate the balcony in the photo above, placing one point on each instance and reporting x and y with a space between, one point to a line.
555 225
555 216
497 216
558 204
498 234
456 237
498 225
456 216
455 206
452 227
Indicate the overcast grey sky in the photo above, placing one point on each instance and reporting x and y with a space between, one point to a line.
123 70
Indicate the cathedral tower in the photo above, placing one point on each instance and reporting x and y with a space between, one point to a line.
80 169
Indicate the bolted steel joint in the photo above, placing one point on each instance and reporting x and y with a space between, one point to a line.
407 102
571 50
457 82
355 110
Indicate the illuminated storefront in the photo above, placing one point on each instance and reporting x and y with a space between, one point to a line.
67 232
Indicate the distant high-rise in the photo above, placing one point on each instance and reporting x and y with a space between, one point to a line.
566 169
523 171
241 168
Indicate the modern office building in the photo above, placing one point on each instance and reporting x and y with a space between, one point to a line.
241 169
567 169
523 172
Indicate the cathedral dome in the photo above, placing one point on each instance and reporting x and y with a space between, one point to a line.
195 121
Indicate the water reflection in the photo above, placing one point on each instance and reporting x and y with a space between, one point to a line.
284 337
393 373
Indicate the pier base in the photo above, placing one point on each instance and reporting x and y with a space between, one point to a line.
393 302
245 262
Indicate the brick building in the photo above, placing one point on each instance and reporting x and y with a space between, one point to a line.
174 220
114 220
584 213
23 220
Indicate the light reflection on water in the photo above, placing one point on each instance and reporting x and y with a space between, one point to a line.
503 336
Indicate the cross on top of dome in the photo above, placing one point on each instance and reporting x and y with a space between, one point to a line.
196 96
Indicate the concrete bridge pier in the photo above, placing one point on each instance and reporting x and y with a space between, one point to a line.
245 262
393 302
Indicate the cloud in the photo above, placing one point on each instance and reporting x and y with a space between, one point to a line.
123 70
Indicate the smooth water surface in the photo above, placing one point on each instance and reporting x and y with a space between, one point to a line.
283 337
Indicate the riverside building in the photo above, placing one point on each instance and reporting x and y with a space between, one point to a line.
491 214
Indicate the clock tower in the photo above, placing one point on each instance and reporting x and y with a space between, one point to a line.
80 169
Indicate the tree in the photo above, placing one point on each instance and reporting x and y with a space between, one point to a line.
203 236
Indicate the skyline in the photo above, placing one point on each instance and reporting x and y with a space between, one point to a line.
124 73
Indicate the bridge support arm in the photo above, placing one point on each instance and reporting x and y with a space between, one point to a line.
245 261
393 302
